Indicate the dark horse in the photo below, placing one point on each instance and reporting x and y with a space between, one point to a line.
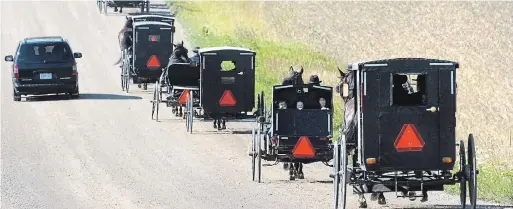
350 126
296 168
179 55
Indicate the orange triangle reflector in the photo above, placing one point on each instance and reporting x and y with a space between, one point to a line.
227 99
183 97
409 140
303 148
153 62
153 38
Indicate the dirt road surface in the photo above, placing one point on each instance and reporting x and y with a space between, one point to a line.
104 151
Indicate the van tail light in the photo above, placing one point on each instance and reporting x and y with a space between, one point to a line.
275 139
16 71
74 73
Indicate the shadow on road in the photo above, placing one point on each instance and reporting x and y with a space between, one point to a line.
459 207
107 97
82 97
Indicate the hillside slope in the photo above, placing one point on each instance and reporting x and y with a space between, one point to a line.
477 35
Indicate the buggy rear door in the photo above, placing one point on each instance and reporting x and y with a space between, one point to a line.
226 77
409 123
152 41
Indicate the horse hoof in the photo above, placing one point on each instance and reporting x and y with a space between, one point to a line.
363 205
382 201
374 197
285 166
301 176
138 85
292 178
224 127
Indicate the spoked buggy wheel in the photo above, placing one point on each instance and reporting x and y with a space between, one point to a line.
156 102
341 175
127 78
122 75
252 153
472 172
463 179
188 114
259 138
104 6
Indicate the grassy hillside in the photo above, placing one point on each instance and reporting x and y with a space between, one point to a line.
322 35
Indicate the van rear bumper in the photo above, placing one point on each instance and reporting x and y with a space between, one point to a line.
36 89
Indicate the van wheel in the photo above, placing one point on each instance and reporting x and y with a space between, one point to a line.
16 97
75 94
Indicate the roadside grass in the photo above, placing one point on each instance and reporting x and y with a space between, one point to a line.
243 24
493 183
213 24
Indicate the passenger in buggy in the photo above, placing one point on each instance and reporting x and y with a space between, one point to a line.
282 105
196 57
299 105
400 93
322 102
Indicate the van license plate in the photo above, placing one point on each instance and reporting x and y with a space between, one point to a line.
45 76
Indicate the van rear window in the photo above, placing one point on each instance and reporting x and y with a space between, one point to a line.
40 52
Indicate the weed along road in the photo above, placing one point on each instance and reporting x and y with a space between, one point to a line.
104 151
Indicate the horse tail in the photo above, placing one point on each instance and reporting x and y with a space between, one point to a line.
117 62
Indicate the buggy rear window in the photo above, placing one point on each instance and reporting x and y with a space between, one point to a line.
41 52
408 90
154 38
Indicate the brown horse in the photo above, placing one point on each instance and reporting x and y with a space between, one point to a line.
350 128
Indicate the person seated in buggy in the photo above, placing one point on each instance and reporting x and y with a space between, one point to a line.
196 57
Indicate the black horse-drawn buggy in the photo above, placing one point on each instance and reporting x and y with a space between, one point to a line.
296 130
151 47
180 81
399 134
226 86
103 5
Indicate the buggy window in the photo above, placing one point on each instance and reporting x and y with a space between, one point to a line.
227 65
41 52
408 90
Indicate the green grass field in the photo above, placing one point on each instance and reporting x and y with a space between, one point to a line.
243 24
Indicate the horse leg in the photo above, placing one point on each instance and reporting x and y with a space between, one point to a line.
361 200
424 196
291 171
219 123
224 123
286 166
115 9
301 175
120 9
181 111
381 199
145 86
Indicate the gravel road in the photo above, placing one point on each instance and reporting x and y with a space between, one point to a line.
104 151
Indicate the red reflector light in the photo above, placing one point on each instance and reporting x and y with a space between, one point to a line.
74 69
153 62
183 97
227 99
409 139
303 148
324 138
15 71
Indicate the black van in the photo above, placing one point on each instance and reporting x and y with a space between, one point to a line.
44 65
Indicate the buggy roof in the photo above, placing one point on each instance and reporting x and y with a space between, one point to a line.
225 48
406 63
151 23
